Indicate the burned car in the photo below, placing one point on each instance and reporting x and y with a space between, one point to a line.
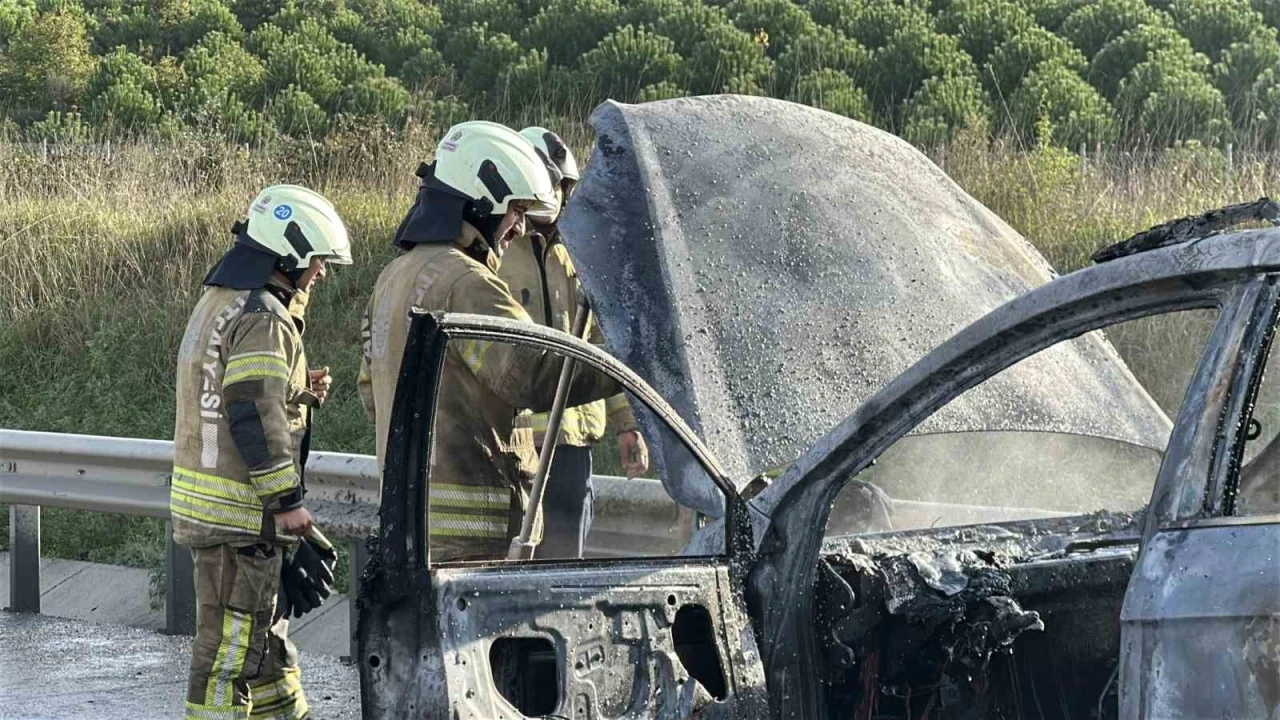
1007 525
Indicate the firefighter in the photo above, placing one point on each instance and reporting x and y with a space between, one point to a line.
542 277
471 204
244 398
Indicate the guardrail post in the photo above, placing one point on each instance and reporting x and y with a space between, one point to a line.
358 556
179 587
24 558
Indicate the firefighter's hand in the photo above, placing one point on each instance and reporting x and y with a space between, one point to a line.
320 382
294 522
633 453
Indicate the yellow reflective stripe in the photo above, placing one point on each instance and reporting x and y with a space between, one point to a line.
281 698
365 376
206 712
473 354
257 354
274 481
214 512
198 483
254 373
454 525
472 496
540 422
228 663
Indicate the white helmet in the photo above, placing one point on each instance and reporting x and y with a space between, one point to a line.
296 225
553 150
493 165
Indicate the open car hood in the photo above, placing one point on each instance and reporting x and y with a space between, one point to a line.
768 267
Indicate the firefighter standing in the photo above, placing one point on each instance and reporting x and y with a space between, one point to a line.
244 395
542 277
470 205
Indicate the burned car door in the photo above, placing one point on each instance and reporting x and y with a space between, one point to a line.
664 637
1227 274
1201 619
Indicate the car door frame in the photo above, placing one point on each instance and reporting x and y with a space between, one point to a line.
1182 619
399 574
1202 274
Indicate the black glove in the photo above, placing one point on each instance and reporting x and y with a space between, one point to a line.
307 576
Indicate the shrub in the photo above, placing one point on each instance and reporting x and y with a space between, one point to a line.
836 14
294 112
1241 66
912 56
665 90
1024 52
1051 14
834 91
878 22
1212 26
781 20
253 13
379 97
481 57
207 16
690 24
628 60
218 65
47 62
426 69
1167 99
1074 110
983 25
13 17
942 106
60 127
501 16
648 13
727 56
1120 56
1096 24
825 49
567 29
1269 9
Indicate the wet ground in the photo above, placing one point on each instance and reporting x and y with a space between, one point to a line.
69 669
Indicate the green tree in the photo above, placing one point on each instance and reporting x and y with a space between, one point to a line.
1120 56
14 14
60 127
877 22
825 49
567 29
47 62
781 20
294 112
836 14
690 24
628 60
1168 99
665 90
379 97
123 93
500 16
648 13
833 91
1051 14
727 57
1096 24
983 25
912 56
253 13
1239 70
1212 26
481 58
1269 9
943 105
1024 52
1056 94
427 69
207 16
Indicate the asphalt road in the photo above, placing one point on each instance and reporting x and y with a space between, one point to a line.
69 670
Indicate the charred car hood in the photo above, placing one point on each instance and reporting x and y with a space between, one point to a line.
768 267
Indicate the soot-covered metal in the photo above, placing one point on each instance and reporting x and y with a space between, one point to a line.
768 266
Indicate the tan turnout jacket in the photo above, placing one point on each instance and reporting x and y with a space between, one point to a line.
542 277
481 461
240 346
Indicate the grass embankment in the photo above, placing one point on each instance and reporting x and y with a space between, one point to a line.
100 263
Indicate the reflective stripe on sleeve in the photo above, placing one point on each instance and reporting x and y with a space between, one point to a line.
275 480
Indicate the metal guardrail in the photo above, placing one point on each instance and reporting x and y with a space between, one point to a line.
131 476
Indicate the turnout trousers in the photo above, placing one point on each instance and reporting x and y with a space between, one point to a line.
243 664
